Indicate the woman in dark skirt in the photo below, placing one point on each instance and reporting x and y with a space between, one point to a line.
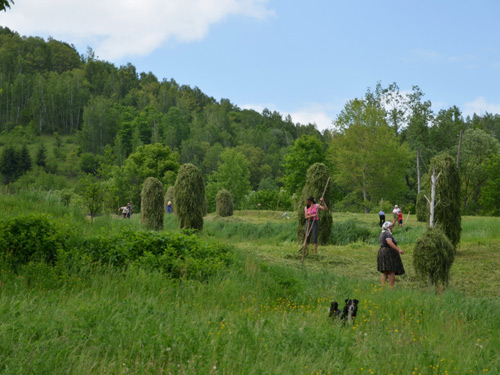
389 259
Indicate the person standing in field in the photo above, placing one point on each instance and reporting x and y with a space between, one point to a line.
389 259
395 212
400 218
129 206
169 207
311 213
124 210
381 217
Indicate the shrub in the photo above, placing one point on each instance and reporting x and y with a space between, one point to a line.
189 196
224 203
152 204
181 255
433 256
29 238
316 178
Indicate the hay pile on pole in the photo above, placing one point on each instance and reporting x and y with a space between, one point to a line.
433 257
447 212
189 197
435 250
152 204
316 179
224 203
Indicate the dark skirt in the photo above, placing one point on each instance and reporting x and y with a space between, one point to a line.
389 260
312 231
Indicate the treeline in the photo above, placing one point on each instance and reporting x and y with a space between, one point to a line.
129 125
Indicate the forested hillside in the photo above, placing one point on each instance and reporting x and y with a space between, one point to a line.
74 123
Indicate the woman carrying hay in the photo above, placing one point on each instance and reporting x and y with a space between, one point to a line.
389 260
311 214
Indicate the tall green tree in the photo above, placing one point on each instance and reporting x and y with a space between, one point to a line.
9 166
477 148
233 175
368 159
306 151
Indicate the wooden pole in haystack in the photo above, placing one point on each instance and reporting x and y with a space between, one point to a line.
309 225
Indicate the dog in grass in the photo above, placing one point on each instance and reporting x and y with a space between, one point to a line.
348 313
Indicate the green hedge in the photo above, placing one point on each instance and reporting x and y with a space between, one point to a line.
32 237
181 255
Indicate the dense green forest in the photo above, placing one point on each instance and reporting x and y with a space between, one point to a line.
78 125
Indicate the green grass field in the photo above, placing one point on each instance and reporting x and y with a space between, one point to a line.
265 314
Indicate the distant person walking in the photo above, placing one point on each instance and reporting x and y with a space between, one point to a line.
129 213
381 217
395 212
389 259
400 218
169 208
311 213
124 210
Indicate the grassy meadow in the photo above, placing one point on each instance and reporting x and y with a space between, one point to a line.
264 314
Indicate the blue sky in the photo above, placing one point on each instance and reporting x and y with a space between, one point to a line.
300 58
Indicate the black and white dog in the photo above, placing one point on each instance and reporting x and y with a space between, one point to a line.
348 313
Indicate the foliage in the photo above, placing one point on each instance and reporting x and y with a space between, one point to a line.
433 256
316 180
92 194
189 196
224 203
447 214
490 197
180 256
152 204
278 200
422 207
4 4
233 175
367 156
27 238
306 151
477 148
148 161
41 156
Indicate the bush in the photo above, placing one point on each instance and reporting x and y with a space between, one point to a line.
152 204
29 238
224 203
433 256
177 255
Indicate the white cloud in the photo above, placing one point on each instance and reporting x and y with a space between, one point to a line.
479 106
119 28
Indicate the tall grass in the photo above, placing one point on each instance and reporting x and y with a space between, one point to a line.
254 319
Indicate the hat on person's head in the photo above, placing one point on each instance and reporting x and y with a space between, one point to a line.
386 225
395 205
